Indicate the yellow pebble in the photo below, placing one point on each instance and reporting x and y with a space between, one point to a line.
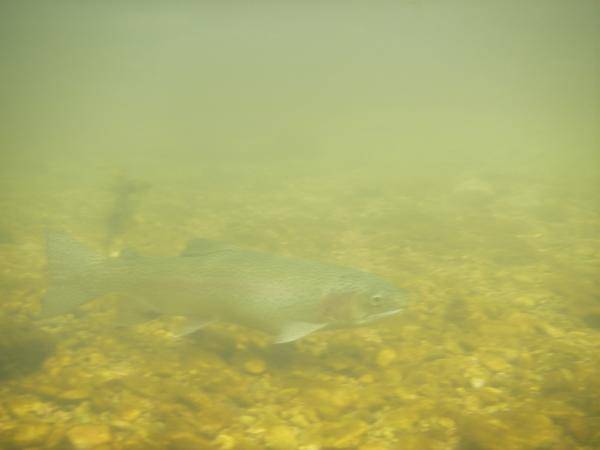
255 366
495 364
224 442
88 436
367 378
281 437
385 357
31 434
373 447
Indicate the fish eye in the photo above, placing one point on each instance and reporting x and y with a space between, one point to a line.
376 300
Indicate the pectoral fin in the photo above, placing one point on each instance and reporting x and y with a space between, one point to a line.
296 330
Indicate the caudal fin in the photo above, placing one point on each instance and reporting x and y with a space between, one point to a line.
72 270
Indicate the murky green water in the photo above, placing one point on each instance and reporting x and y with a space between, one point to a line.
450 148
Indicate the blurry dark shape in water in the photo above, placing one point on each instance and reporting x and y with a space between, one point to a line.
23 348
285 297
457 311
5 236
126 193
592 320
474 192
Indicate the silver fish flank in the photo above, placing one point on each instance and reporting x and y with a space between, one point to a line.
285 297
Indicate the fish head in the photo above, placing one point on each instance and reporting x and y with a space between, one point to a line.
362 303
376 304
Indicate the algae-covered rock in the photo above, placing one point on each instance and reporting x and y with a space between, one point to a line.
281 437
255 366
344 434
23 348
84 437
385 357
527 430
26 406
28 434
495 363
332 402
186 440
585 429
224 442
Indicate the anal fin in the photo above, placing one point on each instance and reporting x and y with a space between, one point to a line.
296 330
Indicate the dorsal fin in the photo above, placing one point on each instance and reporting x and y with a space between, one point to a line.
199 247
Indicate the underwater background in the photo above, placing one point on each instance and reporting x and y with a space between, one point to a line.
452 148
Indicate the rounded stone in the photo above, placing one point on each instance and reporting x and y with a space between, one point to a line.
84 437
224 442
255 366
385 357
495 364
26 435
281 437
73 395
477 383
345 434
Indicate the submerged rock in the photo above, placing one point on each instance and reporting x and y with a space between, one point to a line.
83 437
345 434
255 366
385 357
29 434
23 348
281 437
6 236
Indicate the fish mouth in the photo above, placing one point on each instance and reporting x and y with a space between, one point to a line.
374 317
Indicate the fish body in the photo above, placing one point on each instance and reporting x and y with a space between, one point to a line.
282 296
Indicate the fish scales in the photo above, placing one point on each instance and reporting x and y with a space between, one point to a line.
283 296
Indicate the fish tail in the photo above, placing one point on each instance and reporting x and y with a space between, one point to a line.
71 268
